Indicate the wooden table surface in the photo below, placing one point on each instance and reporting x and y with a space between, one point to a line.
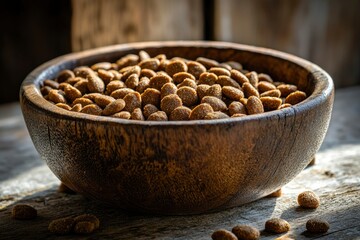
335 177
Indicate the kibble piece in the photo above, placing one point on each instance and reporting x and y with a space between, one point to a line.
101 100
122 115
308 199
158 81
82 86
254 105
84 227
170 102
158 116
295 97
163 61
72 81
237 108
128 60
249 90
149 109
114 107
92 109
23 212
187 83
216 103
126 72
101 65
225 66
277 225
83 71
176 66
64 75
234 65
117 75
238 115
151 96
201 90
317 225
277 193
143 84
218 71
285 105
137 114
215 91
76 108
227 81
51 83
72 93
246 232
208 63
264 78
253 78
188 95
147 73
132 101
61 226
286 89
271 93
121 93
45 90
143 55
106 76
132 81
271 103
216 115
232 93
243 101
208 78
63 106
114 85
239 77
95 84
167 89
180 114
181 76
200 111
150 63
57 96
88 218
265 86
83 101
223 234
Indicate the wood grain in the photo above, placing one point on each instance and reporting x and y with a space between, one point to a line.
335 178
98 23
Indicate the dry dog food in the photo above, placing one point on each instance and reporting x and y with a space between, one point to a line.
277 193
277 225
141 87
245 232
223 234
23 212
316 225
308 199
82 224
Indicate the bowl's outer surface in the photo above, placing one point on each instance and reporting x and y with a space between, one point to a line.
181 167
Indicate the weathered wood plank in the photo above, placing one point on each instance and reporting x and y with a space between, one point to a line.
97 23
324 32
335 177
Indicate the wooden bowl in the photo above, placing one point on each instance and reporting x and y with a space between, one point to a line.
181 167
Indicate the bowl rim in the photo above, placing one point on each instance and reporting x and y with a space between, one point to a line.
322 90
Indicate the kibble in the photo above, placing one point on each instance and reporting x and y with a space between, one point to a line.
308 199
223 234
276 194
277 225
139 86
23 212
246 232
62 226
317 225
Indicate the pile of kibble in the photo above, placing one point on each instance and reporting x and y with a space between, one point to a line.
141 87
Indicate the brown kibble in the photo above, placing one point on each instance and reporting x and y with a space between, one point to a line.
76 108
151 96
143 55
92 109
286 89
45 90
149 109
237 108
132 101
243 101
188 96
100 99
114 107
180 114
121 93
265 86
122 115
61 226
201 90
170 102
167 89
187 83
137 114
65 189
150 63
200 111
82 86
88 218
216 115
295 97
83 101
63 106
51 83
253 78
71 93
238 115
57 96
219 71
239 77
195 68
64 75
308 199
271 103
223 234
215 91
158 116
147 73
246 232
181 76
101 65
23 212
176 66
234 65
114 85
317 225
225 66
143 84
95 84
227 81
158 81
72 81
106 76
264 78
285 105
277 193
206 62
126 72
250 90
128 60
232 93
84 227
132 81
254 105
216 103
208 78
271 93
83 71
277 225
